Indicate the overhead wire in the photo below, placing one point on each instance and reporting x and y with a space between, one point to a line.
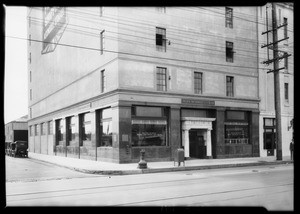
212 49
148 29
153 40
133 54
189 40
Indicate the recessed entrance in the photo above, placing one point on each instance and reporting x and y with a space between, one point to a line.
197 139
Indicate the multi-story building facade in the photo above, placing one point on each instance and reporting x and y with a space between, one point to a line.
284 14
107 82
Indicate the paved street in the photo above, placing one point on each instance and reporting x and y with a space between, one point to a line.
267 186
27 169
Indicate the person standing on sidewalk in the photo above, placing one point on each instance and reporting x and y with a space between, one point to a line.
292 149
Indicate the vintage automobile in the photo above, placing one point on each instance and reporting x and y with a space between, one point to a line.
19 148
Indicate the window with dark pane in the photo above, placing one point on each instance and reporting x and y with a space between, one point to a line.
198 82
286 92
228 17
229 51
229 86
161 39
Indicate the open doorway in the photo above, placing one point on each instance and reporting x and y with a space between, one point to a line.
197 138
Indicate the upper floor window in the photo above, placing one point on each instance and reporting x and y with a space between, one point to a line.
285 30
286 61
161 78
103 81
101 42
161 39
228 17
101 11
229 86
286 92
279 15
198 82
161 9
229 51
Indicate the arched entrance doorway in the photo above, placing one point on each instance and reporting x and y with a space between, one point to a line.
196 137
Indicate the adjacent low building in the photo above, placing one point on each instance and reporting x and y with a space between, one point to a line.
17 130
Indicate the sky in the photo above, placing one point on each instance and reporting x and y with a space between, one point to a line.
15 77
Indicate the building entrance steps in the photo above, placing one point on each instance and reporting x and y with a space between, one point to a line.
97 167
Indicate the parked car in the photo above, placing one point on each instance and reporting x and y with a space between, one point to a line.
19 148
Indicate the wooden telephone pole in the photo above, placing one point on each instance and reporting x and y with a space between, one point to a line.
276 70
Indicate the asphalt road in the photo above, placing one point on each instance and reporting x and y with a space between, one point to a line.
271 187
27 170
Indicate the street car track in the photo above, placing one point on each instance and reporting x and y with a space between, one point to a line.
206 194
128 187
188 178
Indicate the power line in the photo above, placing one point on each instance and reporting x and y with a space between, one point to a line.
139 55
189 39
200 47
151 45
145 25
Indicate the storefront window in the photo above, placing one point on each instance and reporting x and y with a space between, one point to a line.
237 127
86 127
71 128
236 134
106 127
59 130
106 137
151 134
149 126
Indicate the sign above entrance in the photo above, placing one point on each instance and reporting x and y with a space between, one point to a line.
198 102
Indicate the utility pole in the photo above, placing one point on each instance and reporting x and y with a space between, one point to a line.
276 86
276 70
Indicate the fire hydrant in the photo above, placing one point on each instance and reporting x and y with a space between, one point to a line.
142 164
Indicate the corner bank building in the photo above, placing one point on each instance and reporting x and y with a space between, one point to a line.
106 82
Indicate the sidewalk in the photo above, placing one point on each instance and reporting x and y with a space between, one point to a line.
97 167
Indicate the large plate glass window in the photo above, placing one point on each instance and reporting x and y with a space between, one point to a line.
106 127
237 127
149 126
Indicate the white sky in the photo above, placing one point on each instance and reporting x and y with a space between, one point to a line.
15 78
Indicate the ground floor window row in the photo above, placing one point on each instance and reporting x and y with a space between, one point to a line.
45 128
149 127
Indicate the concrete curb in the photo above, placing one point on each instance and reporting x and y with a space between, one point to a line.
168 169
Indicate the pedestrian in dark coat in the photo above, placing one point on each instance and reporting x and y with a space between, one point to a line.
292 149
